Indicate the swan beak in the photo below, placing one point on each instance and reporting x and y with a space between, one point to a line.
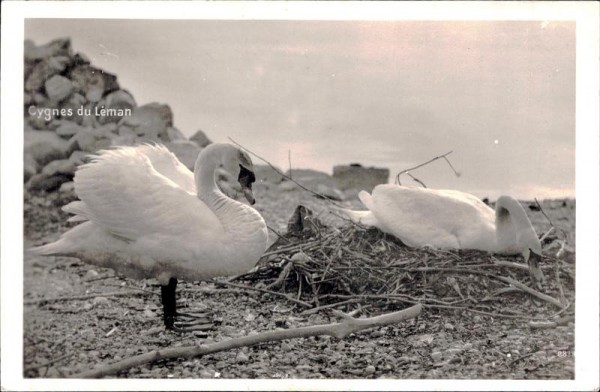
246 178
534 268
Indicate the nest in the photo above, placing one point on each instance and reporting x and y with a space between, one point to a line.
352 266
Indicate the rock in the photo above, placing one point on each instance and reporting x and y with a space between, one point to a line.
45 146
73 106
355 176
100 301
150 121
30 166
265 173
92 82
200 139
38 75
41 182
58 88
241 357
287 186
59 63
59 166
87 140
57 47
449 326
80 59
68 129
67 187
107 130
91 274
436 356
118 104
370 369
175 134
79 157
127 137
186 151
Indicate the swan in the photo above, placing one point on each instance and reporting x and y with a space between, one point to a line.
145 215
450 219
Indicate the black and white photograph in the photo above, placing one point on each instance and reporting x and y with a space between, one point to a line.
300 195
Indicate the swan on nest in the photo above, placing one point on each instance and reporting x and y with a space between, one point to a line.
450 219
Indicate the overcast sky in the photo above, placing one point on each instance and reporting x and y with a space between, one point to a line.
501 95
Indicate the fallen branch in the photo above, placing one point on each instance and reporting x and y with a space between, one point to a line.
531 291
339 330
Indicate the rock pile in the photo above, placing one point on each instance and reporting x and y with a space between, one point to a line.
73 109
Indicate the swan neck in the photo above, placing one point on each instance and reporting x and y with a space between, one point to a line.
513 228
204 171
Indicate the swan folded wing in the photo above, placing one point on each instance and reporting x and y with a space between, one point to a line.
124 194
167 164
422 217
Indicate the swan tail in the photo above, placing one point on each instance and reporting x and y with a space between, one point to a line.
366 198
365 218
54 248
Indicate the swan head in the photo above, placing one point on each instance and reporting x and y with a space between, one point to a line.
238 163
532 253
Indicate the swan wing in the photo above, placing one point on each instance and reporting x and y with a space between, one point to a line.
438 218
167 164
121 191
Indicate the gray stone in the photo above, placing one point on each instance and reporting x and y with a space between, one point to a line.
74 104
37 76
150 121
86 140
93 82
118 104
68 128
30 166
59 63
357 177
69 187
58 88
79 157
45 146
436 356
59 166
175 134
57 47
200 139
41 182
186 151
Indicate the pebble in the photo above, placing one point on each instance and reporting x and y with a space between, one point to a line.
91 273
285 347
449 326
100 301
453 351
149 314
436 356
370 369
241 358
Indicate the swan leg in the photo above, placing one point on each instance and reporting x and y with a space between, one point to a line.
173 319
169 302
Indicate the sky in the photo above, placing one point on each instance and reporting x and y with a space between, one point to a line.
394 94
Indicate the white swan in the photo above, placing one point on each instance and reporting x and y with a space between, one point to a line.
452 220
145 215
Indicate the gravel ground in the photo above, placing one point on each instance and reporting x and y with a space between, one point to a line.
97 324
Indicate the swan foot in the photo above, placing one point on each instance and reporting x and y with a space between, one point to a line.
180 322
